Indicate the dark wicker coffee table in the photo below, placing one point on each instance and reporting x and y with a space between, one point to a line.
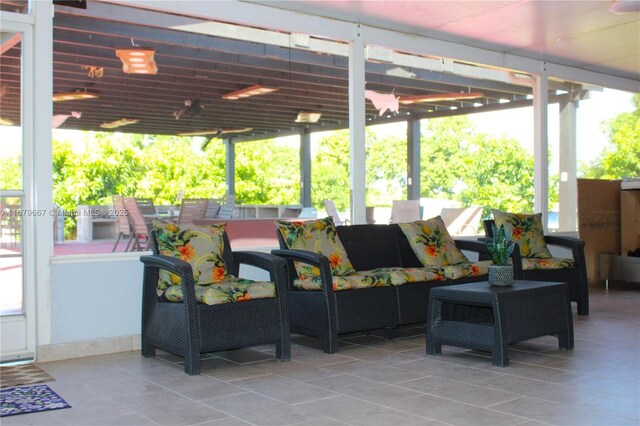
484 317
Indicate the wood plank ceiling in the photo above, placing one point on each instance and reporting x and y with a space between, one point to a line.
205 67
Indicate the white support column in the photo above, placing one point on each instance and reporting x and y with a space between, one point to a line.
40 189
413 159
230 169
568 168
305 167
357 127
541 146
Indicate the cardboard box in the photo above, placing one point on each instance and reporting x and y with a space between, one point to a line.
598 222
629 221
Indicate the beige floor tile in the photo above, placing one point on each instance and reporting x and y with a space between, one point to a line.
370 381
455 413
540 389
560 414
260 410
459 391
366 390
376 372
284 389
355 411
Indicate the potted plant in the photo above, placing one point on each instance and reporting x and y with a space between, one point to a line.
500 248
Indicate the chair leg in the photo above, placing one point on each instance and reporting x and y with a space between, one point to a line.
136 243
115 246
583 308
129 242
330 343
147 350
192 363
388 333
283 350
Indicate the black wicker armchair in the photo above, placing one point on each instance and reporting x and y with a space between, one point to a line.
575 276
191 328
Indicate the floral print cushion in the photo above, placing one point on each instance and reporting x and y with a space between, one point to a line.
529 263
231 290
381 277
201 246
399 276
467 269
432 243
526 230
318 236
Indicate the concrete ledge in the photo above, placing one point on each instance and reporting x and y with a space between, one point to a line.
60 351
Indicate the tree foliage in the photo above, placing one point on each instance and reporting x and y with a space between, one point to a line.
267 172
458 163
621 157
476 169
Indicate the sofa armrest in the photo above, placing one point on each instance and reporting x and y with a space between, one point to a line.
471 245
568 242
154 263
575 244
310 258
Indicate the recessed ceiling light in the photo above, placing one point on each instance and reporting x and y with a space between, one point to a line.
308 117
73 96
257 89
119 123
138 60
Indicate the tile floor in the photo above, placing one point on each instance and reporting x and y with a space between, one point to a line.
371 381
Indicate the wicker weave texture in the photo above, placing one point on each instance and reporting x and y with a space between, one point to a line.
526 310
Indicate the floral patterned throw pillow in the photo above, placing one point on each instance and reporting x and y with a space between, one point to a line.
201 246
432 243
319 236
526 230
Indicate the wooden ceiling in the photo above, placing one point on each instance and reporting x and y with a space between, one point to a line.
205 67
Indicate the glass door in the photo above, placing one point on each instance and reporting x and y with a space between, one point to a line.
16 340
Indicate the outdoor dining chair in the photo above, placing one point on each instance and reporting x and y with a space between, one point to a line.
124 227
192 209
139 226
403 211
330 207
146 206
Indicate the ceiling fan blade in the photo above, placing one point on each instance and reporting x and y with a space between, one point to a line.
439 97
236 130
217 132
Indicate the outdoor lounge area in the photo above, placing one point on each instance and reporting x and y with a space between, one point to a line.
410 124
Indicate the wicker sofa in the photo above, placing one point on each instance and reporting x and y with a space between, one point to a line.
327 312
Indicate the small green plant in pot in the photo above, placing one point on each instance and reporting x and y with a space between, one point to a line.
500 248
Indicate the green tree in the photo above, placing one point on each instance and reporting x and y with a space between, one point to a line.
386 170
174 163
267 172
330 171
621 157
91 170
476 169
11 172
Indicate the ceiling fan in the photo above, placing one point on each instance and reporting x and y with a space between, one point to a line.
216 133
439 97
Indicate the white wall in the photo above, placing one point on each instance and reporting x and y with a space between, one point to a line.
95 300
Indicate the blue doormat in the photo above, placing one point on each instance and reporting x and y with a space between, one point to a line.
29 399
